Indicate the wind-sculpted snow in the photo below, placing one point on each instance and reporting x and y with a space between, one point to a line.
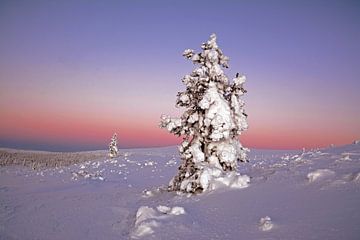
148 219
306 194
319 174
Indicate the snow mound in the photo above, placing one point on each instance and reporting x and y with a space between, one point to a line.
356 142
212 178
177 211
147 219
265 224
145 222
148 193
232 180
318 174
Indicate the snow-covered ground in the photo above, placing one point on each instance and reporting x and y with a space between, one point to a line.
292 195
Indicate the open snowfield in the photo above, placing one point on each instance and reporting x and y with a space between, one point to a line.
292 195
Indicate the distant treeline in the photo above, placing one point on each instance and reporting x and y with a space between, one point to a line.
38 160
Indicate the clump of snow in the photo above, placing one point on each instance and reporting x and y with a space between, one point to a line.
147 219
171 162
113 161
231 179
318 174
171 211
265 224
163 209
212 178
95 164
156 191
142 226
86 174
144 213
346 157
149 163
177 211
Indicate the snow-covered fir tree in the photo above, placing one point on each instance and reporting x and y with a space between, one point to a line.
211 124
113 150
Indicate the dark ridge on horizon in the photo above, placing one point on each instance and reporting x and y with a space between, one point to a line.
65 148
40 159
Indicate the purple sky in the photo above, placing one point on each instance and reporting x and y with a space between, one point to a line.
74 72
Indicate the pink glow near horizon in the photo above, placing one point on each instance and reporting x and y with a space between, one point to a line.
137 126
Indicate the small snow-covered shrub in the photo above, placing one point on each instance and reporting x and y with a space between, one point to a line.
213 120
113 150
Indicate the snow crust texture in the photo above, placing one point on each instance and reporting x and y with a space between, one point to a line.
211 124
133 201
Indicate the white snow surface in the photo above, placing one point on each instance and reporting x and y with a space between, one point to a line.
311 194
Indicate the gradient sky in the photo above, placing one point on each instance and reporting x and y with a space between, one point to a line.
74 72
